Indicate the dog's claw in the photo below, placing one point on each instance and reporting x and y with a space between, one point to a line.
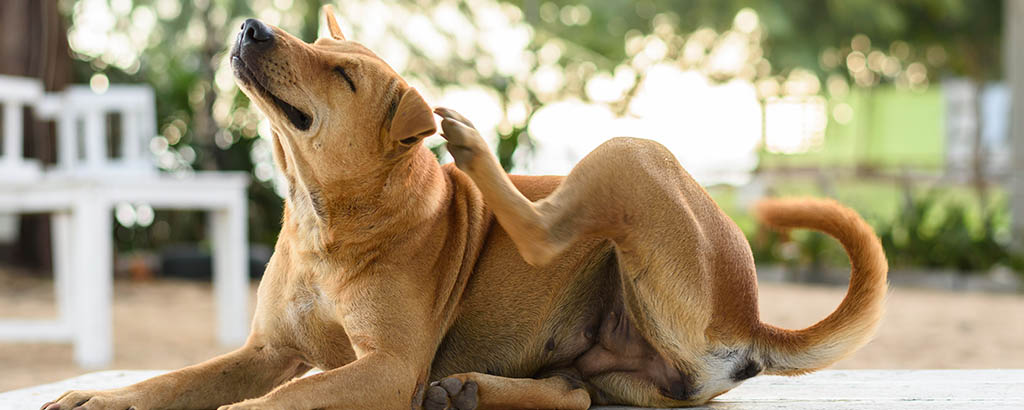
464 142
450 113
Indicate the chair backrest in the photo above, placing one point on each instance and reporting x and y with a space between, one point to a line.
84 138
15 94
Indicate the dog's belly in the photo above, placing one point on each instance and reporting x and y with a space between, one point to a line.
516 320
566 319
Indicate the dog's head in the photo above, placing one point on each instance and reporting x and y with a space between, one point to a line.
340 115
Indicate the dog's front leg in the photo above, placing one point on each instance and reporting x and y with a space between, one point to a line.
379 380
392 329
247 372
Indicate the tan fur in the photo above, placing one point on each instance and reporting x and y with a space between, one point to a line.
858 316
415 285
332 24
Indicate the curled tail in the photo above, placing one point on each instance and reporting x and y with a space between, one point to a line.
854 322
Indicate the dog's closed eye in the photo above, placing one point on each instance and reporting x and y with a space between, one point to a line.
344 75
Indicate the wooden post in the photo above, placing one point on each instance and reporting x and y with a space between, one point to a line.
1013 43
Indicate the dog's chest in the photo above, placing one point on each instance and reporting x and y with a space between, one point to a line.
310 323
305 302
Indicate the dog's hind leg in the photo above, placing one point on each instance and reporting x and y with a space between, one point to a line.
630 190
681 258
468 391
590 201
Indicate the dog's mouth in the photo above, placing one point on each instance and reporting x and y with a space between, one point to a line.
299 119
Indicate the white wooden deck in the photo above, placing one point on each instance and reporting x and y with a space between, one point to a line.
830 389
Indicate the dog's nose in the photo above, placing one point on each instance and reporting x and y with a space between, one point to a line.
254 31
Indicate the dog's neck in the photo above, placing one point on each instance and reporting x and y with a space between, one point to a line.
350 220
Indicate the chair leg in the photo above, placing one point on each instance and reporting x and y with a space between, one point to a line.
93 283
230 273
60 236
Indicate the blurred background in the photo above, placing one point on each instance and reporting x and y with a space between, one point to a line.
900 109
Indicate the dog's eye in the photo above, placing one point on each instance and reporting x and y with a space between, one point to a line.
344 75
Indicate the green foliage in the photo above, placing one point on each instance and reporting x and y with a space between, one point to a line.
591 36
766 245
962 36
935 230
179 58
507 147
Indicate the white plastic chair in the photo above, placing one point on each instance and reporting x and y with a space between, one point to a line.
81 192
81 116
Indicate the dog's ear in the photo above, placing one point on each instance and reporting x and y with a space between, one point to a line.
413 119
332 24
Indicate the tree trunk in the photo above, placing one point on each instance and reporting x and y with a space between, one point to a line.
1013 39
33 43
978 154
204 126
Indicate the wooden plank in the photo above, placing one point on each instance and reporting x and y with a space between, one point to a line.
882 389
832 389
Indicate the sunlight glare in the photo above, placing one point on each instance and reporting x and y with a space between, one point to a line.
99 83
712 129
746 20
795 124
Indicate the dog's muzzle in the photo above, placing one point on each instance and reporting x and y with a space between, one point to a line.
251 46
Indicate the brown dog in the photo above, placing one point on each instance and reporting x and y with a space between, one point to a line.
622 283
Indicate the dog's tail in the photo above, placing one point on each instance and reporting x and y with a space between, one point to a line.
792 352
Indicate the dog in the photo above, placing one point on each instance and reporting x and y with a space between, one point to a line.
415 285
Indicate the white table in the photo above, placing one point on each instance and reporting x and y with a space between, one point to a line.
83 250
829 389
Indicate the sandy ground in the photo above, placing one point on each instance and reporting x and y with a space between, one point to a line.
167 324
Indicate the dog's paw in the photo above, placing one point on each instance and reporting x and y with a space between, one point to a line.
91 400
451 394
464 142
